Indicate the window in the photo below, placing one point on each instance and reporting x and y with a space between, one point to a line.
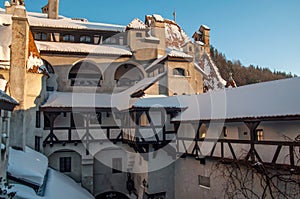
85 39
259 134
69 38
65 164
117 165
41 36
138 34
225 131
204 181
178 72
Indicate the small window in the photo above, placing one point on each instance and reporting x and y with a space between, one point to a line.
204 181
69 38
259 134
190 49
117 165
139 34
161 69
178 72
65 164
225 131
41 36
85 39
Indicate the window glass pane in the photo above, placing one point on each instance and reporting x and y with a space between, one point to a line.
65 164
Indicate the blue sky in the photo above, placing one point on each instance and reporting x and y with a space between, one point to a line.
259 32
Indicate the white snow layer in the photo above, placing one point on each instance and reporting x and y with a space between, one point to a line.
34 61
58 186
137 24
27 165
83 48
269 99
5 42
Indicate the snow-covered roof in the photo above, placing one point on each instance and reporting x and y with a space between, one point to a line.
200 43
28 165
41 20
175 35
177 53
158 102
120 101
263 100
5 41
58 186
83 48
136 24
158 18
8 99
79 100
205 27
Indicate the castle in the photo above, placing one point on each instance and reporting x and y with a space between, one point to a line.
126 110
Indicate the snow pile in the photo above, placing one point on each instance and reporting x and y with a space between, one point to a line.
177 53
58 186
136 24
34 61
175 36
28 165
5 42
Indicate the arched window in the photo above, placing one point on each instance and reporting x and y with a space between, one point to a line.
178 72
85 73
85 39
68 38
41 36
128 75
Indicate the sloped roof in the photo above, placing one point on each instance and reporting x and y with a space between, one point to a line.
41 20
28 165
6 99
179 54
83 48
263 100
136 24
175 35
212 77
120 101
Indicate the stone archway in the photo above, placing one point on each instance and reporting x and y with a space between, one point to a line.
112 195
128 75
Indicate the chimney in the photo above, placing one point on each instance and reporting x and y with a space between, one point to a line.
53 9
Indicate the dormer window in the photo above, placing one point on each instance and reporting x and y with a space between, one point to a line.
85 39
69 38
41 36
178 72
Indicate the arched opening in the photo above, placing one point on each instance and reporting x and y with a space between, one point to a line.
112 195
128 75
179 72
67 162
85 73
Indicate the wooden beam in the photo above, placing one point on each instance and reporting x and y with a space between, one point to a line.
276 154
